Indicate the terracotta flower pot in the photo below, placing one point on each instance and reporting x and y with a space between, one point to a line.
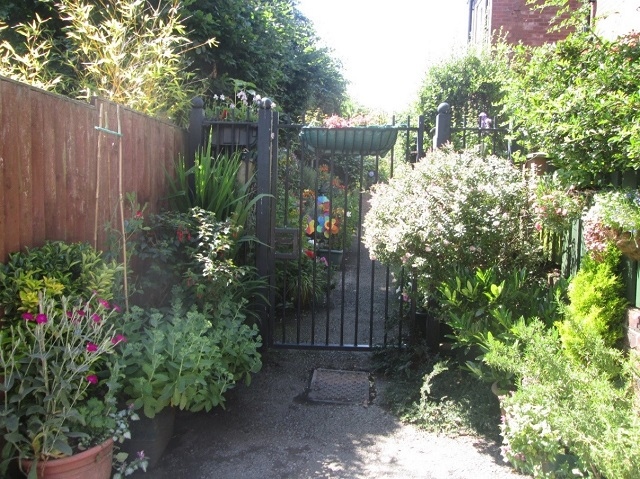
627 243
94 463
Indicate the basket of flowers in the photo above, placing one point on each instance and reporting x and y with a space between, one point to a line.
352 136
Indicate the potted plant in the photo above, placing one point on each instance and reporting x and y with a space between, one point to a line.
183 358
234 117
555 206
302 282
351 136
60 378
614 217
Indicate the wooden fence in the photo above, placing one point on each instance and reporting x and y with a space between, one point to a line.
61 177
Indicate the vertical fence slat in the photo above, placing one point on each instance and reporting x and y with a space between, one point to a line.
3 165
49 166
13 101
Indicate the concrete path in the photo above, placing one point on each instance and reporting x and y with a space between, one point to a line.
270 431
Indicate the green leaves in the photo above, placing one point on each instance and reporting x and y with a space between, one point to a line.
578 101
191 357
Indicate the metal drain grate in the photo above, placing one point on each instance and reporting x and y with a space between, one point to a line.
339 387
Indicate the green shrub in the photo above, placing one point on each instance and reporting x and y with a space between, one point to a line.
578 101
447 209
566 419
186 357
481 307
596 308
216 186
74 270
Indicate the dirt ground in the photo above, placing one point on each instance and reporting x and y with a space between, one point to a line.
269 430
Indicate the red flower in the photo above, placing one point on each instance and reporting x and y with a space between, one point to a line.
310 253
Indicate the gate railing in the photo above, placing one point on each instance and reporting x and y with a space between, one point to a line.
364 308
485 136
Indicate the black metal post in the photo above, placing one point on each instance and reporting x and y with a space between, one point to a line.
196 120
265 212
420 140
443 125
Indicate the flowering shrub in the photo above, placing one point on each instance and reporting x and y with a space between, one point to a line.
555 207
241 105
53 365
194 250
614 213
449 209
335 121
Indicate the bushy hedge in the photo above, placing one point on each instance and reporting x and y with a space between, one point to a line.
450 208
578 100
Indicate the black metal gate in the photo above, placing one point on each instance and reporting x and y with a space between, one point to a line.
324 291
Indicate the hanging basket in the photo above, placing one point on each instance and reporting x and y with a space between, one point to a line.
626 242
361 140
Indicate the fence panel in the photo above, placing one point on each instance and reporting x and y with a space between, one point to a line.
60 178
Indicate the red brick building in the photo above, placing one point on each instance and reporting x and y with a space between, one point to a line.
523 23
516 19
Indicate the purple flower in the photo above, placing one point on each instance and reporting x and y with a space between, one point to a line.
28 317
118 338
41 318
104 303
96 318
92 347
92 378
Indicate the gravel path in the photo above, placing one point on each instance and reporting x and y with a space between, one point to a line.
269 431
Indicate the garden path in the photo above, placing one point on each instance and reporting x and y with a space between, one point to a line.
270 431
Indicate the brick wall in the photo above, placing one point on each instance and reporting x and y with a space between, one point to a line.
515 18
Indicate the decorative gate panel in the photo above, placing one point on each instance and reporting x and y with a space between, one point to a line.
328 293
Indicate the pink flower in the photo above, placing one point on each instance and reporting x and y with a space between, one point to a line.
118 338
92 378
117 308
104 303
69 314
41 318
92 347
28 317
96 318
81 312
